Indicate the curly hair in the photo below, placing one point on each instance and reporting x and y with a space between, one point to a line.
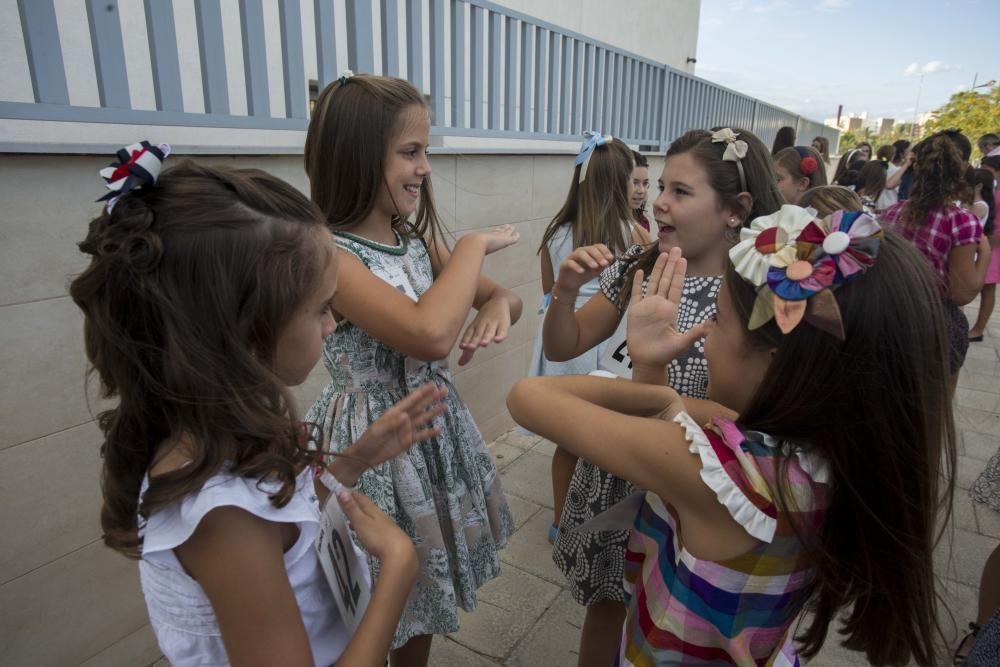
938 178
189 286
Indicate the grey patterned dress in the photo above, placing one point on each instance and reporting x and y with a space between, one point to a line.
444 493
594 562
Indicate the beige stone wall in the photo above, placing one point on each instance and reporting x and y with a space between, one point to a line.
64 598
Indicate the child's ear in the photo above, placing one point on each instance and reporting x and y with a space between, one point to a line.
803 184
744 204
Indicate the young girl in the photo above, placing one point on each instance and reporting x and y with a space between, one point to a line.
797 169
822 146
712 182
784 138
208 476
598 208
871 187
640 189
949 237
751 520
984 207
402 301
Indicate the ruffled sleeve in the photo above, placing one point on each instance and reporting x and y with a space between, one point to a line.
171 526
734 474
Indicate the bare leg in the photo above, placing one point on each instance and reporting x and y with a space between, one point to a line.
601 634
414 653
987 299
563 465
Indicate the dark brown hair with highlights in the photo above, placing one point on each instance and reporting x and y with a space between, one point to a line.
599 207
938 178
724 178
350 134
876 408
189 286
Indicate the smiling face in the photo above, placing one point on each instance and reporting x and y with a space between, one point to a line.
300 343
640 187
406 165
688 213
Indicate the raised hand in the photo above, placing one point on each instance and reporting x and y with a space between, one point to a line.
490 326
583 265
500 238
378 534
407 422
652 335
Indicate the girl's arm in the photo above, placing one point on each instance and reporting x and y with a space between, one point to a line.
428 328
498 307
967 265
238 559
567 332
605 421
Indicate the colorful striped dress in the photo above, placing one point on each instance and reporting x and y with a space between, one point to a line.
683 610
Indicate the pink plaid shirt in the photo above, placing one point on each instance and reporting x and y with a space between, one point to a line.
944 228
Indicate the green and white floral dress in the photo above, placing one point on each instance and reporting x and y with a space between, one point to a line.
444 493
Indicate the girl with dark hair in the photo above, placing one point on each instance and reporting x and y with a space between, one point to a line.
785 138
759 528
640 189
845 162
871 187
798 169
207 295
949 237
403 300
985 208
822 146
712 182
865 149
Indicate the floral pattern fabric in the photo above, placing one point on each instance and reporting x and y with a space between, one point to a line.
444 493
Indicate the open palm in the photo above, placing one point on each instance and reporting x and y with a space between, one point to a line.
653 338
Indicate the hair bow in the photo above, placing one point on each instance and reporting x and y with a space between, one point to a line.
796 265
138 167
736 150
591 140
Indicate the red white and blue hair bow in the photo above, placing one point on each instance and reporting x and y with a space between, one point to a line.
138 166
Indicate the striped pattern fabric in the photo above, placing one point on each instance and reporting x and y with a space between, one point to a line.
682 610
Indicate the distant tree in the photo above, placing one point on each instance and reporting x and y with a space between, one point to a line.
972 112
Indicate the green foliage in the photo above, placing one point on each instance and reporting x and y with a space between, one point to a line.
850 140
972 112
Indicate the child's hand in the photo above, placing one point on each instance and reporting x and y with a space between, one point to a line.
583 265
490 326
407 422
653 339
500 238
378 534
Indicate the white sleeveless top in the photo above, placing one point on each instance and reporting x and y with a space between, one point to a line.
180 613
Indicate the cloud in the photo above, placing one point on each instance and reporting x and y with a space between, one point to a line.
932 67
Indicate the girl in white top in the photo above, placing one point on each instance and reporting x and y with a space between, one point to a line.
208 295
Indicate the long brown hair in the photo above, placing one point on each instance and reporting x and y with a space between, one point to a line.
189 285
876 408
938 178
351 131
724 179
829 198
598 207
871 179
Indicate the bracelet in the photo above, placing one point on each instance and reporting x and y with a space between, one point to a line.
331 483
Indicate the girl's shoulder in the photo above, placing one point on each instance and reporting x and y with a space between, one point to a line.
740 468
171 525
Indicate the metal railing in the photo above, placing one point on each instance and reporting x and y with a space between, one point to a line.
493 72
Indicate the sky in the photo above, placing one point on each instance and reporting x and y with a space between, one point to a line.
809 56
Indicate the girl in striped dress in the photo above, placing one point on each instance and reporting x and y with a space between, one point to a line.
809 484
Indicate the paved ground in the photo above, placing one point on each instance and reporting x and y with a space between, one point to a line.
528 618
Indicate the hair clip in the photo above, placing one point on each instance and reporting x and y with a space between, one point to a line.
796 262
138 167
591 140
345 76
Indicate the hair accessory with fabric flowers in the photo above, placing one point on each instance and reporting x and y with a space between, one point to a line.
591 140
138 167
808 165
796 262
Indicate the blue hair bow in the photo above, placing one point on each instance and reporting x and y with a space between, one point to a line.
591 140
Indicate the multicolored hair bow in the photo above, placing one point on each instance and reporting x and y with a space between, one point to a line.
591 140
138 166
796 262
